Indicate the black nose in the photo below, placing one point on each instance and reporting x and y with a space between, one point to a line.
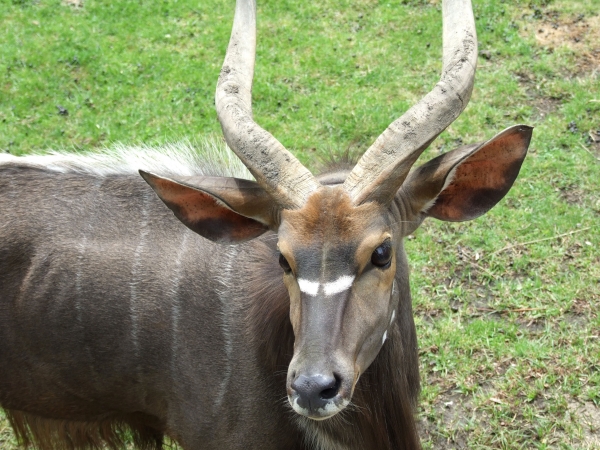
315 391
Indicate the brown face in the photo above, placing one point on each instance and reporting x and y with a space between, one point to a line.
339 263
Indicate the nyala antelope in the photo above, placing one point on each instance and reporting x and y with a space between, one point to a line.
274 314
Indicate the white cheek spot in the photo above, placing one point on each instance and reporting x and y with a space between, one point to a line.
340 285
308 287
393 317
384 337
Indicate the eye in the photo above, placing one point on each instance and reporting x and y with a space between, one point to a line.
382 256
285 265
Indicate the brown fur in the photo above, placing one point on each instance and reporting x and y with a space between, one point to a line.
50 434
330 211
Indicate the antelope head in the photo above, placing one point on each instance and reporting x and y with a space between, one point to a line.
340 239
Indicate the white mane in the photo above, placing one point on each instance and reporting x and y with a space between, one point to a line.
209 157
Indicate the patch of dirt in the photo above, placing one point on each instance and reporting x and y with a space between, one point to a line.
593 139
588 416
582 35
572 252
594 136
451 412
544 105
450 421
581 307
534 327
572 195
580 314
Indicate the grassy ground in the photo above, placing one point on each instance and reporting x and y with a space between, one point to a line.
507 306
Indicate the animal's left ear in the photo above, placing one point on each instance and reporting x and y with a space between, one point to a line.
467 182
221 209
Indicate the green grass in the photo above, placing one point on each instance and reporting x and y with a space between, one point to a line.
508 306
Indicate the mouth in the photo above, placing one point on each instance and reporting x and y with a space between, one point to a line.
321 409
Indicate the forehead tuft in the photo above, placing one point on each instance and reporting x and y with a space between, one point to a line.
330 214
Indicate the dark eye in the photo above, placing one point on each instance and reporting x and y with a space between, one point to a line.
382 256
285 265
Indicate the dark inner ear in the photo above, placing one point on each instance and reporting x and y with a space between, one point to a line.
204 213
466 182
482 179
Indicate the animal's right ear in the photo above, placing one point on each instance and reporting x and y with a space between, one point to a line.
466 182
227 210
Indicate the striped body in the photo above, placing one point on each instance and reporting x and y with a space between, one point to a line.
112 311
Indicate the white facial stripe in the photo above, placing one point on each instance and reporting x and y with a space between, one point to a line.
393 317
308 287
384 337
333 287
339 285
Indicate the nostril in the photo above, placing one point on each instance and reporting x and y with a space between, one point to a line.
314 391
332 390
328 394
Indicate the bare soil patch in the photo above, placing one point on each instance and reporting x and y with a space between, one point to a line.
581 35
588 416
581 307
594 140
544 105
451 412
571 194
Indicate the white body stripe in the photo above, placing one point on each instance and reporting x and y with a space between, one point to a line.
176 302
225 295
137 277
